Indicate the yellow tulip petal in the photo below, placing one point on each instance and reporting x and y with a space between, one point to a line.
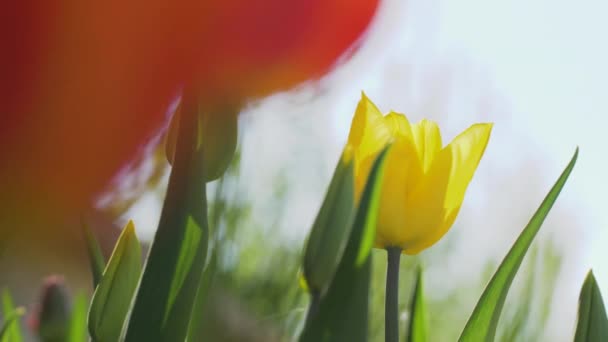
368 132
368 135
465 153
434 204
398 125
428 141
422 242
401 173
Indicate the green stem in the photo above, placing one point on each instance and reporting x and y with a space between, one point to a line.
391 305
313 308
185 198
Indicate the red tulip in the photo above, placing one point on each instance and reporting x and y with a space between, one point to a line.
85 83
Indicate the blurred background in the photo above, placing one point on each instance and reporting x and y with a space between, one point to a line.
535 69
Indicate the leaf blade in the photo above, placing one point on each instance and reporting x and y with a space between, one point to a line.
592 323
112 298
10 331
418 322
343 311
96 259
78 321
482 323
331 228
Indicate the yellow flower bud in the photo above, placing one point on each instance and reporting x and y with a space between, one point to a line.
424 182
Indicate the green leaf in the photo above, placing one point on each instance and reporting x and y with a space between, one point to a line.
78 321
342 313
196 331
10 331
482 323
418 322
331 228
112 298
167 289
10 321
592 321
96 259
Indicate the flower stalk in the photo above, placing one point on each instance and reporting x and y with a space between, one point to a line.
313 307
177 255
391 305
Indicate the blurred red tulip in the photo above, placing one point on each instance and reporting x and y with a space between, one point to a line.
85 83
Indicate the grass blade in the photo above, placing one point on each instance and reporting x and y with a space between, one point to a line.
481 326
112 298
96 258
78 321
592 322
418 322
10 332
196 331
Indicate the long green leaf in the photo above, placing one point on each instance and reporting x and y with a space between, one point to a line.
10 321
96 259
482 323
418 322
343 311
112 298
167 289
78 321
592 322
10 331
196 330
331 228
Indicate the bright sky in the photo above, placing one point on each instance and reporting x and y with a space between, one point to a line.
549 58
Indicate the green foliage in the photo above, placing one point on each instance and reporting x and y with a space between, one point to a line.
484 320
342 313
78 321
418 322
112 298
96 259
170 280
331 228
592 322
526 321
9 330
196 331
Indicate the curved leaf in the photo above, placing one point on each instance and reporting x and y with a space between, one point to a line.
10 331
96 259
592 322
418 322
481 326
331 228
112 298
342 313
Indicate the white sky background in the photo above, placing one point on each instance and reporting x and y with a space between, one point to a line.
537 69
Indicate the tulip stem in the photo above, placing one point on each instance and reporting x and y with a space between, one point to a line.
313 307
391 304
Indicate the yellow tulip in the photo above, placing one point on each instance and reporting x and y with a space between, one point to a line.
424 181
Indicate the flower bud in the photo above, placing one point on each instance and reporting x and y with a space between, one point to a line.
217 138
52 319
